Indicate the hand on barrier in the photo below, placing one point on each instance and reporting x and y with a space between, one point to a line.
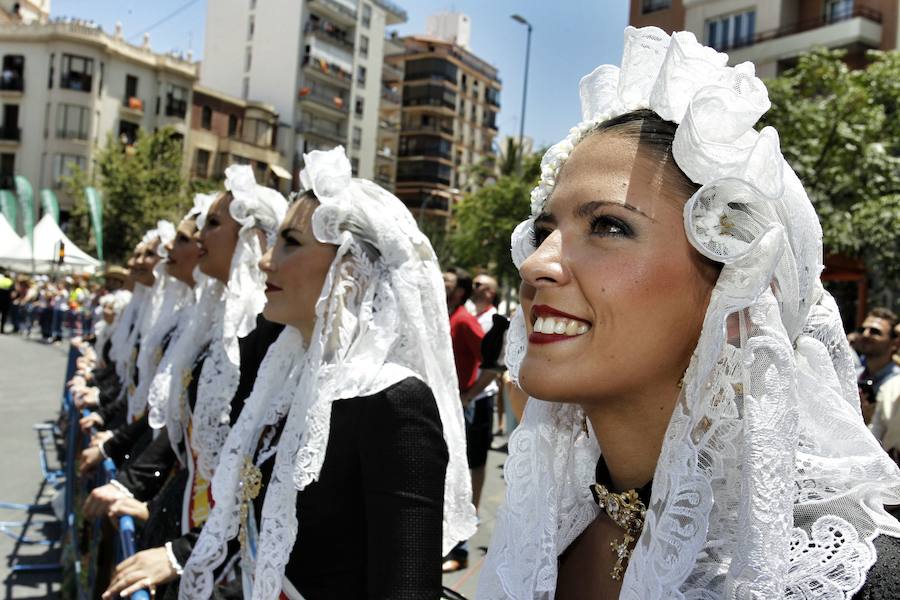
129 506
76 382
100 499
90 458
86 397
101 436
92 420
145 570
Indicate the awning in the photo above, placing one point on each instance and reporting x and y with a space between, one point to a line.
281 172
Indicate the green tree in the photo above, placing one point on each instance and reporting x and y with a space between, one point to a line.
484 220
140 184
840 131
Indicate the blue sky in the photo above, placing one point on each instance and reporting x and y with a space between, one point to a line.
570 38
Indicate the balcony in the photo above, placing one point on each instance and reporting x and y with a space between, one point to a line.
326 130
11 81
175 107
10 133
394 14
389 96
329 33
391 72
807 25
78 82
327 71
444 128
338 11
334 104
388 125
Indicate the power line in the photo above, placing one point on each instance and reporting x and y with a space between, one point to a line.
163 20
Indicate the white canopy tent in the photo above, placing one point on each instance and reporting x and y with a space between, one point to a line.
47 238
12 247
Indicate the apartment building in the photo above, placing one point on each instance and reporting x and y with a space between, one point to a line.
227 130
448 121
390 110
773 33
66 85
317 62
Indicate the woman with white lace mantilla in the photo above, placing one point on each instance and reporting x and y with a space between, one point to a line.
200 387
345 476
694 428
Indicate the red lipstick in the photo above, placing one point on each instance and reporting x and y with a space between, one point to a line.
272 288
542 310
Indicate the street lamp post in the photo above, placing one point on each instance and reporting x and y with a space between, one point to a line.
520 19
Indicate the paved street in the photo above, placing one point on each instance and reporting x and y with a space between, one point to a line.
492 496
31 378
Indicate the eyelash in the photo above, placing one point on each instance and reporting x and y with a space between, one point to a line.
288 240
601 225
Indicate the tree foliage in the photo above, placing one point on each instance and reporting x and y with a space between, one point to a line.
140 184
840 131
484 220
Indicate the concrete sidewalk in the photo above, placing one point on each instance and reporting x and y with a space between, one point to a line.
31 380
492 496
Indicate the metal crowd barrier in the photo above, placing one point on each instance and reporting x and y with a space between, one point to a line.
125 541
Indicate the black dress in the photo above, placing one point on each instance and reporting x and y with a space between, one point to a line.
371 526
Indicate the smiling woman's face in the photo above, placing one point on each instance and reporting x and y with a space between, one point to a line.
614 275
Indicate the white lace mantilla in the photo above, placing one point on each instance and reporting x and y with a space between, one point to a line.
381 318
768 484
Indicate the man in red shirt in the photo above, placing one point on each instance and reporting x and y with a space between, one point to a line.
466 335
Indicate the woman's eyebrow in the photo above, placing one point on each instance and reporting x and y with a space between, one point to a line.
545 217
586 209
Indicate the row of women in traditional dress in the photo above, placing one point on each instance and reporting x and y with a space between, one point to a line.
286 414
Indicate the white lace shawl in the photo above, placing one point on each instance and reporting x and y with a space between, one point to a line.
175 297
380 320
127 328
768 484
256 209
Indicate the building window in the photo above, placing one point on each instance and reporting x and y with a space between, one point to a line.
649 6
354 166
361 76
77 73
128 132
64 165
100 87
248 59
252 4
732 31
232 125
176 101
50 71
366 17
72 122
12 76
245 88
131 92
250 26
359 107
206 117
363 45
838 10
201 166
7 171
356 141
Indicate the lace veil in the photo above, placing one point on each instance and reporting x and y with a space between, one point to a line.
382 317
158 387
768 484
135 320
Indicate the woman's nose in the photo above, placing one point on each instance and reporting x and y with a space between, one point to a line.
265 263
545 265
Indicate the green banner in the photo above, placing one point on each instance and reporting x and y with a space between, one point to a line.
49 204
95 206
26 203
8 207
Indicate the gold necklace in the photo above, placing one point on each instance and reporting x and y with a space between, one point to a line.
627 510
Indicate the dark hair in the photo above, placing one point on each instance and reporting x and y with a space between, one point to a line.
880 312
655 136
463 280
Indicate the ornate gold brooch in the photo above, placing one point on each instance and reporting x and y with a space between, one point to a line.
251 484
627 511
